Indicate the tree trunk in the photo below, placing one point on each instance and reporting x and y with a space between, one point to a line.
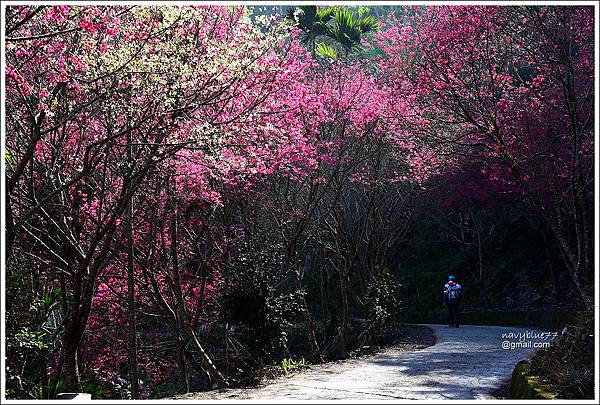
70 366
10 229
323 289
183 319
480 254
575 266
344 314
131 309
131 315
185 381
200 302
309 325
205 361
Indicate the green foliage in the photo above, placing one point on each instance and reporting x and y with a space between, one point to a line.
59 386
516 275
347 31
289 365
90 386
27 343
30 339
39 392
382 300
345 26
312 21
43 304
50 389
8 158
349 28
326 51
567 366
525 386
258 311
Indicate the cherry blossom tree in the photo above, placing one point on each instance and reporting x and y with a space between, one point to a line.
512 86
151 85
150 150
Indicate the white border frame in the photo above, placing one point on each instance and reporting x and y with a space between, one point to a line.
299 2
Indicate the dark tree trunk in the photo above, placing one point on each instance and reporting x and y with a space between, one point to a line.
182 316
70 366
344 313
185 381
10 229
131 312
309 325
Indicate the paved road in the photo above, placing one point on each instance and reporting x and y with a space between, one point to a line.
464 363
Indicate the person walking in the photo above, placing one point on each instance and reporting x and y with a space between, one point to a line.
452 295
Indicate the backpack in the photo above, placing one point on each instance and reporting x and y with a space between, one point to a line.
453 294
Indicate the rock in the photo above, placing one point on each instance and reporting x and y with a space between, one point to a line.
77 396
525 386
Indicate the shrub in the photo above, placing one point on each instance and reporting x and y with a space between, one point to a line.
382 303
258 312
568 365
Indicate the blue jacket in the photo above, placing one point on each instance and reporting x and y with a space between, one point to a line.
452 293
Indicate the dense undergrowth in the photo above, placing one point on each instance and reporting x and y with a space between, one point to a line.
567 367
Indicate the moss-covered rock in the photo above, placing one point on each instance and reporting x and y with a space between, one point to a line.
525 386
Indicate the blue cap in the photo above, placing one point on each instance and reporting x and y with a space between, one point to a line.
450 278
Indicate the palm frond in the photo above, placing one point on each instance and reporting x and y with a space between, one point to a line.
368 24
326 51
324 15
